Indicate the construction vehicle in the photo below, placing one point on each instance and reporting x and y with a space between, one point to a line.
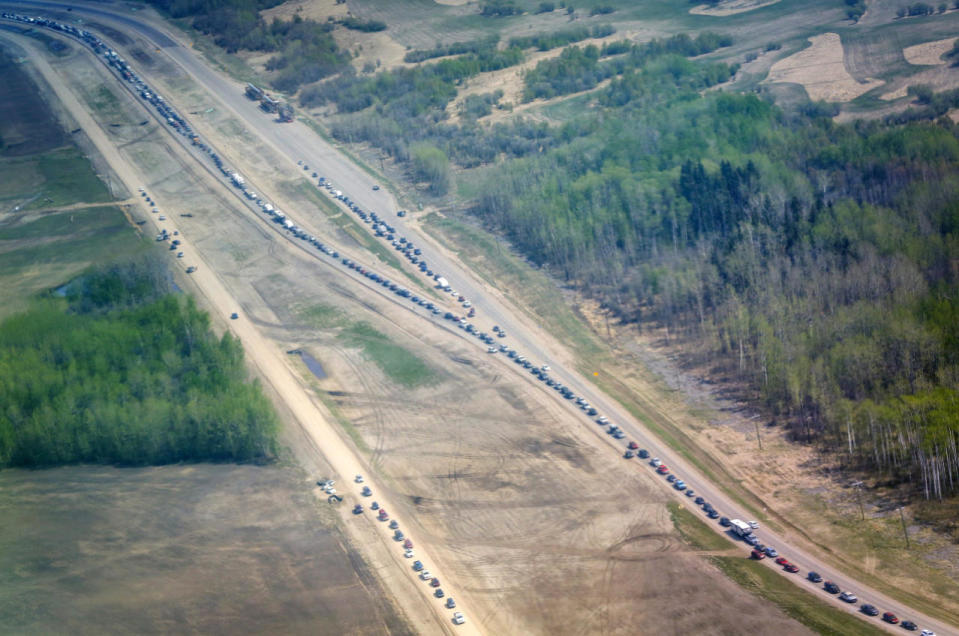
285 112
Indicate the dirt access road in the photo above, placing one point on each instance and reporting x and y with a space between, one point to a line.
268 361
298 142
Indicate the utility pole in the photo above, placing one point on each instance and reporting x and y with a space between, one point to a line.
905 533
858 486
755 419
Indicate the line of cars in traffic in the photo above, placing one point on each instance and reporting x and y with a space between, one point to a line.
385 231
408 551
744 531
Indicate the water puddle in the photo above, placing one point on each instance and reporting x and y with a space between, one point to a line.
311 363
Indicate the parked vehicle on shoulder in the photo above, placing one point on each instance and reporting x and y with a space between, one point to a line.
890 618
662 469
791 568
757 554
848 597
450 603
458 618
417 565
814 577
831 587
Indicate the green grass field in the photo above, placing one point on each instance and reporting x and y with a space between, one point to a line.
44 253
56 178
399 364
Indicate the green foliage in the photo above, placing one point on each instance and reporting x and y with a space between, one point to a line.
545 7
367 26
484 45
499 8
555 39
601 10
476 106
581 68
129 375
430 164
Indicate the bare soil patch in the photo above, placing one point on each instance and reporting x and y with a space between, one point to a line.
821 71
928 53
730 7
510 80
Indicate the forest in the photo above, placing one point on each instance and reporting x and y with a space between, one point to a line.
124 371
813 260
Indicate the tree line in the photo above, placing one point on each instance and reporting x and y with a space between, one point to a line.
125 372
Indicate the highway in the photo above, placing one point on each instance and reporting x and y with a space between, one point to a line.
297 141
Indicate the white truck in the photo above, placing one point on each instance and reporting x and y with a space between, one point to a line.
740 527
442 283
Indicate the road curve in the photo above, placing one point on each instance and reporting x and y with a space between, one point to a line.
298 142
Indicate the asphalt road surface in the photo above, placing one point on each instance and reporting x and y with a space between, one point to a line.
297 142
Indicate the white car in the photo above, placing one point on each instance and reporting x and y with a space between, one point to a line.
409 554
927 632
161 217
359 479
656 462
753 524
425 575
458 618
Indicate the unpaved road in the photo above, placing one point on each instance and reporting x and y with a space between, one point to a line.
271 365
298 142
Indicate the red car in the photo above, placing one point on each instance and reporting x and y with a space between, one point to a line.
889 617
757 554
435 582
408 544
782 561
633 446
792 569
662 470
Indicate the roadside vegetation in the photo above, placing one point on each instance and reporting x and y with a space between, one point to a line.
123 371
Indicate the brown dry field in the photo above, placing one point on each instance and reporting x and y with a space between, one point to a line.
821 70
179 549
730 7
536 517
